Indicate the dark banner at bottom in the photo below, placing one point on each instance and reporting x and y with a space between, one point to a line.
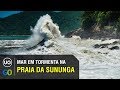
39 67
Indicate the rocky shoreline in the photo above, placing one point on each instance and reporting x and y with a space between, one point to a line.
107 33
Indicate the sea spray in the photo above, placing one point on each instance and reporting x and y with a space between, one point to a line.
45 29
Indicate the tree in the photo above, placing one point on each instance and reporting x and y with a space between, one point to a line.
96 20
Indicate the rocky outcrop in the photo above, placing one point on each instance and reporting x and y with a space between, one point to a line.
101 45
110 46
74 32
114 48
102 34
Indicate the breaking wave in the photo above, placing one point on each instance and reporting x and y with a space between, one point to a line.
45 29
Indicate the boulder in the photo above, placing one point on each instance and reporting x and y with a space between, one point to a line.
114 48
115 42
101 45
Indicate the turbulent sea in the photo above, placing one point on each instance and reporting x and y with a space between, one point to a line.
94 62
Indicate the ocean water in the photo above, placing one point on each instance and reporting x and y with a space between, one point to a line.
14 37
94 63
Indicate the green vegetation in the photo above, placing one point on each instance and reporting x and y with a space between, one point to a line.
97 20
105 23
19 24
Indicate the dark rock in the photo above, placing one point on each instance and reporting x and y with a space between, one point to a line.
42 42
115 42
99 52
103 39
85 51
114 48
72 33
96 46
104 46
105 53
101 45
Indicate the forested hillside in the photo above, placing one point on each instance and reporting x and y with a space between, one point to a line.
19 24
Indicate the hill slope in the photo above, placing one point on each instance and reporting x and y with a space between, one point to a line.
19 24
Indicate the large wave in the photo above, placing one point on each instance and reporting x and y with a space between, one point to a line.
45 29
